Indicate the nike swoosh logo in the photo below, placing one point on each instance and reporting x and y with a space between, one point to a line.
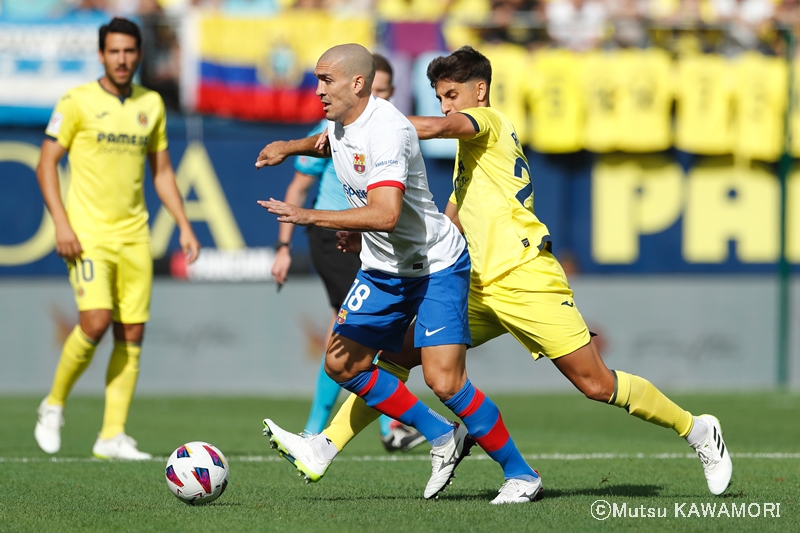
429 333
567 303
101 115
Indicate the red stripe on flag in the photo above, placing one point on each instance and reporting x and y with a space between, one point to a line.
496 438
396 405
259 103
473 406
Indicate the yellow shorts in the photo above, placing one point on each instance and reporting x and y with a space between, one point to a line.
534 303
114 276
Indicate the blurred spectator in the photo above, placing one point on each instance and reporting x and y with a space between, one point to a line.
161 67
515 21
576 24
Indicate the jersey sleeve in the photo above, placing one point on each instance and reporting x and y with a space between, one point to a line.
65 121
485 122
158 139
389 155
312 166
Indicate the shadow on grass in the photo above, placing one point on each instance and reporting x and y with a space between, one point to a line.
549 494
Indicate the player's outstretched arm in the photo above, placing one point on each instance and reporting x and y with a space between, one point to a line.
167 190
381 213
453 126
67 244
276 152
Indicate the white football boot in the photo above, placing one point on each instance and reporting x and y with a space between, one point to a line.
519 491
297 450
715 456
445 459
120 447
48 427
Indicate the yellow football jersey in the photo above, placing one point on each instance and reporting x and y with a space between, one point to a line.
108 139
555 102
602 86
761 97
704 96
494 194
645 100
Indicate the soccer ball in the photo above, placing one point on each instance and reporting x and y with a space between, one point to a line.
197 473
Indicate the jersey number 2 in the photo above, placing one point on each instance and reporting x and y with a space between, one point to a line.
525 193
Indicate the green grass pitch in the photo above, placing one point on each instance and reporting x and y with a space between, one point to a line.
584 451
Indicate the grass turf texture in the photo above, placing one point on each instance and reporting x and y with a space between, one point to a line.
366 490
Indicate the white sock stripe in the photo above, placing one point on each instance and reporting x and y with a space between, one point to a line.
426 458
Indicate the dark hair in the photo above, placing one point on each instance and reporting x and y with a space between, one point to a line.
463 65
382 64
120 25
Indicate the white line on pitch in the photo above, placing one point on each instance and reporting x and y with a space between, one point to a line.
397 458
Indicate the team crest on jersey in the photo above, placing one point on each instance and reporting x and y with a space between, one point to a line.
142 119
359 163
342 316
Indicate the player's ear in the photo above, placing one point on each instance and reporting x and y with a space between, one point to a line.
482 90
359 84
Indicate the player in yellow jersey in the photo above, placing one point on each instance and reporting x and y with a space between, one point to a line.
110 128
517 285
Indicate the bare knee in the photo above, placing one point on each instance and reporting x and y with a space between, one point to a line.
445 386
336 370
597 390
129 332
94 323
345 359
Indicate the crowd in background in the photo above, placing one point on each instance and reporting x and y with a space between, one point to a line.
676 28
575 24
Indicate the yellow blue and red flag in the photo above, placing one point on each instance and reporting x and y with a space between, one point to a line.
263 68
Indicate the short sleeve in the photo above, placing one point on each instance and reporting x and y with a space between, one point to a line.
65 121
485 122
158 139
312 166
389 159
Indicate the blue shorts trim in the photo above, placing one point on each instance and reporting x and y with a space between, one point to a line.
380 307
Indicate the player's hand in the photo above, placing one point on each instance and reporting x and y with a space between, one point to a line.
287 212
67 244
322 141
280 268
273 154
190 245
348 241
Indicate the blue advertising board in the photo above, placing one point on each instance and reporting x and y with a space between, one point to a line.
661 213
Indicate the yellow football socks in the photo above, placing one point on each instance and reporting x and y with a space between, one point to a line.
76 355
641 399
123 370
354 414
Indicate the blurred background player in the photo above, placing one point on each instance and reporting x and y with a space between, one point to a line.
337 270
110 127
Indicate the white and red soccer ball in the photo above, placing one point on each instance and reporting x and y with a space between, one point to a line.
197 473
